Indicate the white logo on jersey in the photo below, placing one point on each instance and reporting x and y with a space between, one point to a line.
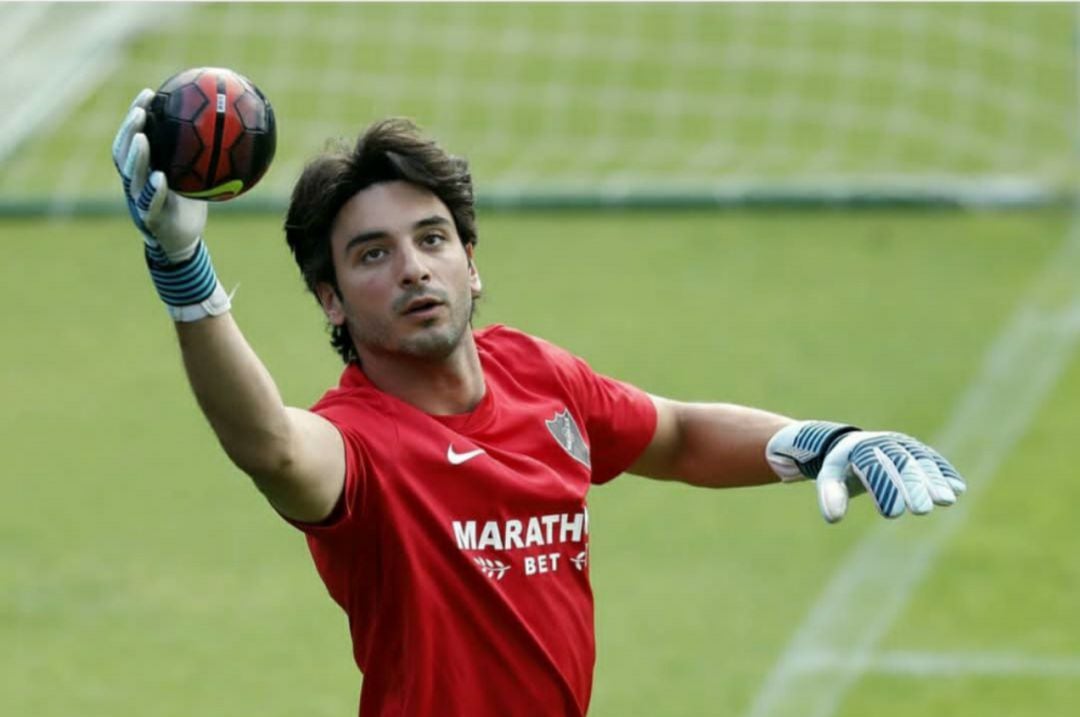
566 434
492 568
456 459
537 531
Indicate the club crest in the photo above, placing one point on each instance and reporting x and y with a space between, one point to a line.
566 433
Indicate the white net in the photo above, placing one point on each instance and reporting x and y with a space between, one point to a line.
588 100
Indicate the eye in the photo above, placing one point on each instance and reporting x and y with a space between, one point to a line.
433 239
372 255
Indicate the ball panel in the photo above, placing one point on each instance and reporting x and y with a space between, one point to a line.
187 102
184 173
251 108
180 78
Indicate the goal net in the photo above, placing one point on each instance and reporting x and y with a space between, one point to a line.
581 103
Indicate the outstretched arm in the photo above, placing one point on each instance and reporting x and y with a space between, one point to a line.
295 457
723 445
713 445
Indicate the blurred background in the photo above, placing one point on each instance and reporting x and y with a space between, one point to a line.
857 212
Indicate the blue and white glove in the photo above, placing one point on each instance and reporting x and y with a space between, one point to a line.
171 225
900 472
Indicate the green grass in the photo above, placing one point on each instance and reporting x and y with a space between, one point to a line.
143 575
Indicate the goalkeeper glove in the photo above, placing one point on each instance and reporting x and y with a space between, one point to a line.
171 225
897 470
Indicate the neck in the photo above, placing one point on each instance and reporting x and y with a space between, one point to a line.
441 387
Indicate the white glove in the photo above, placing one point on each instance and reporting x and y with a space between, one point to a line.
897 470
171 225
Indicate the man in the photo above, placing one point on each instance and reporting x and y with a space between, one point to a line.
442 484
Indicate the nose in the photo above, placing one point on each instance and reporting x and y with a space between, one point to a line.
414 269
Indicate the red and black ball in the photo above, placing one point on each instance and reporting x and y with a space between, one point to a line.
212 132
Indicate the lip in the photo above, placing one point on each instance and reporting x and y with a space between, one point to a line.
425 313
422 306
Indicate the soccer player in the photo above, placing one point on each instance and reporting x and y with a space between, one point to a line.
442 482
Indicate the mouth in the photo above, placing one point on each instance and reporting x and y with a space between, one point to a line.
422 306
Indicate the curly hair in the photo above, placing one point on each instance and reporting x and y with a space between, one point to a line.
389 150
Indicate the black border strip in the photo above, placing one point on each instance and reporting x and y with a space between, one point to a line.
219 131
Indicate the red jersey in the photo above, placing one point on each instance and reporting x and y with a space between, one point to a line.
460 548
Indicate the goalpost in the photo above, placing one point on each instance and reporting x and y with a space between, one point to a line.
587 104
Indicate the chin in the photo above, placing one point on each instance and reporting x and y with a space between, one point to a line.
433 343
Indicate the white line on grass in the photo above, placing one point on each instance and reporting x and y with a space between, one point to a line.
870 588
948 664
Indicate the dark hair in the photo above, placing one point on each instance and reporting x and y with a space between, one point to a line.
389 150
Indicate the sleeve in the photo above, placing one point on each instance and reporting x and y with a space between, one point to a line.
351 504
619 418
338 544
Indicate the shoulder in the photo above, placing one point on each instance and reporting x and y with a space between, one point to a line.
506 343
531 360
353 402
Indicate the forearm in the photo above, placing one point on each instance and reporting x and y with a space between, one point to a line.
714 445
236 393
721 445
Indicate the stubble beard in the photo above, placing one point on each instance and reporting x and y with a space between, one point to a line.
430 342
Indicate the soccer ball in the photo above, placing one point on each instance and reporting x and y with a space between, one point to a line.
212 133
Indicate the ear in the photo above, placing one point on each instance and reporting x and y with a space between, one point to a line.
474 276
331 303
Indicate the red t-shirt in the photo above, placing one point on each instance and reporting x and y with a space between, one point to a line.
460 549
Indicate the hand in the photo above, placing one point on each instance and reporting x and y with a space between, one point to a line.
900 472
171 225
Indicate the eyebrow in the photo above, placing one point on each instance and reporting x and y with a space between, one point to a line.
431 221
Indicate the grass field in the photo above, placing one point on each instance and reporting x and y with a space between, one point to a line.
143 575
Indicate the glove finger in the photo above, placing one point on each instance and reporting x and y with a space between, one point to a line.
952 476
121 149
916 484
912 480
155 194
143 98
832 492
880 476
133 123
137 170
835 479
940 491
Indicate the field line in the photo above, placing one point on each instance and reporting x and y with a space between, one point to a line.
949 664
875 582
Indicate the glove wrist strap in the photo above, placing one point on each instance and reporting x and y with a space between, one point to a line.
216 304
797 451
190 288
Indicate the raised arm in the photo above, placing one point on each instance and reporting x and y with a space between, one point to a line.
295 457
719 445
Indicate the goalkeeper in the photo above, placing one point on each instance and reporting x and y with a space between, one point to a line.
442 482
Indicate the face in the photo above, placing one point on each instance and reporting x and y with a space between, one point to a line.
407 283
